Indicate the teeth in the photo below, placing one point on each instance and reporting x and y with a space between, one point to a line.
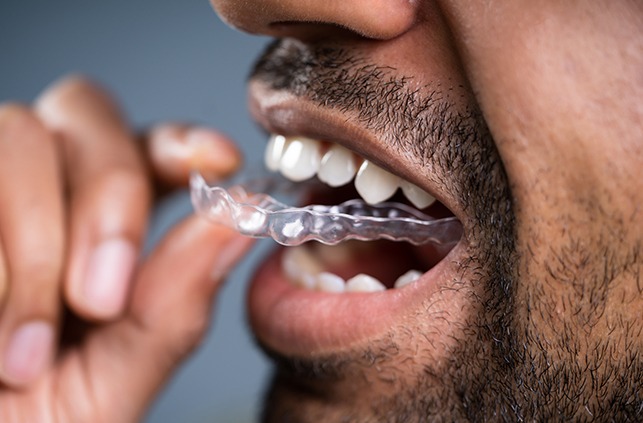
274 151
407 278
300 159
364 283
329 282
300 266
416 195
375 184
337 166
304 269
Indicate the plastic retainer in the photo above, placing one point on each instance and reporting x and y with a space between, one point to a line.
262 216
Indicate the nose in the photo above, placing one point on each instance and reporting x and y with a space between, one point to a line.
378 19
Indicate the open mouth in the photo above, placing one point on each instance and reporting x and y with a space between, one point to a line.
349 266
318 299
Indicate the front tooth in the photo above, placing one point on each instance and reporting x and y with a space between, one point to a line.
329 282
337 166
300 266
364 283
375 184
274 151
417 195
407 278
300 159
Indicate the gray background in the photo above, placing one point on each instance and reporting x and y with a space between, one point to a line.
163 59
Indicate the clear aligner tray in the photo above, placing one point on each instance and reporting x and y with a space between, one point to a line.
249 209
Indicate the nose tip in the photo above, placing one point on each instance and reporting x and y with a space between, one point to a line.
377 19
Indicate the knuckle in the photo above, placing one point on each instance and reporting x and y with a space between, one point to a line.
70 85
67 90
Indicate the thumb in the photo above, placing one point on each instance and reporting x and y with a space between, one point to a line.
167 318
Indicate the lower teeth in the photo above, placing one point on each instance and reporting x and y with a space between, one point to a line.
305 270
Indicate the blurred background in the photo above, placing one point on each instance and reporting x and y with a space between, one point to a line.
163 60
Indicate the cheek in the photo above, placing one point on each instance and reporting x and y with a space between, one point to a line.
570 158
574 219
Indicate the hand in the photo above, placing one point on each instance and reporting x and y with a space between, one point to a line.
89 330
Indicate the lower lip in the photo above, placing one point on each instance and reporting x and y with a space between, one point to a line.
299 322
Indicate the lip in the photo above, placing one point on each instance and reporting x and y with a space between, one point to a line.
301 322
298 322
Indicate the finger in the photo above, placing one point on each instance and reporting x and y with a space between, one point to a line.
175 150
109 196
31 247
169 313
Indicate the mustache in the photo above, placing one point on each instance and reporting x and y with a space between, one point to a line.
341 78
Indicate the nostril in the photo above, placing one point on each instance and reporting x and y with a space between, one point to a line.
376 19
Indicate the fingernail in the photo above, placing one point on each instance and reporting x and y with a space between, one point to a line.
108 275
28 353
229 256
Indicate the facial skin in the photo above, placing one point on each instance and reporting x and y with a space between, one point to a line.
524 118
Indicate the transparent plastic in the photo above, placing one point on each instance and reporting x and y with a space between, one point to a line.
250 209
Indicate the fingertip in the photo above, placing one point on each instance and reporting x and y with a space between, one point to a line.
213 152
177 150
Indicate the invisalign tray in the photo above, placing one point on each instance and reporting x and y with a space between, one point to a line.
260 215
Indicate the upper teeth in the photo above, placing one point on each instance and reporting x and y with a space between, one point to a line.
299 158
375 184
337 167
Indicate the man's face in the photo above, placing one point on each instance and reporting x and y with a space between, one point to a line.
524 120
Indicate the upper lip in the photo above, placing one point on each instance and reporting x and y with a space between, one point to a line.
281 112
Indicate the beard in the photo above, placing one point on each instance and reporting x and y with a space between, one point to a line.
501 366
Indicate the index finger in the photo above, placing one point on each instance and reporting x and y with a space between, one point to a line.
109 195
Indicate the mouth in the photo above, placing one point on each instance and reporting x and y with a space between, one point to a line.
316 299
